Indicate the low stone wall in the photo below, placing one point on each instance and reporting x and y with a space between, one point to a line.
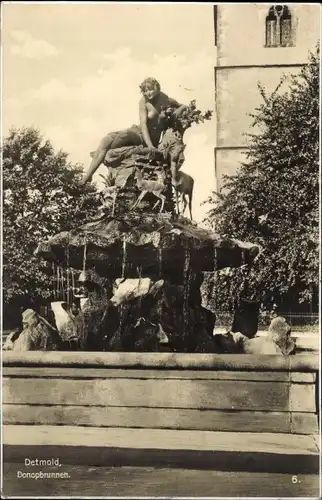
131 400
175 391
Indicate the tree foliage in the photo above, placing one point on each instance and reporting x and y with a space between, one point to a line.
273 200
42 195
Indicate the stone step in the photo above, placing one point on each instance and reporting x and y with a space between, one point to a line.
269 452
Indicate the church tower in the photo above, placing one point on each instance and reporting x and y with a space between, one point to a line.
255 43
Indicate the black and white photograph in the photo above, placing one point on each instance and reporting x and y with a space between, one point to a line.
160 250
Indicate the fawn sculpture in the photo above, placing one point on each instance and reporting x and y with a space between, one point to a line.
155 187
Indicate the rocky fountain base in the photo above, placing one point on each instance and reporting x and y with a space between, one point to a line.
143 274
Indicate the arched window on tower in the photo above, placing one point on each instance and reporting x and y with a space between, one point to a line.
279 27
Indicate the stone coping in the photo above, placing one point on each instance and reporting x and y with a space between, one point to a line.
127 360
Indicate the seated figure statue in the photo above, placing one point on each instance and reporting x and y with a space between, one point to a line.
147 134
278 340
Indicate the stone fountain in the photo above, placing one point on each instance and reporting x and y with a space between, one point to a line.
142 268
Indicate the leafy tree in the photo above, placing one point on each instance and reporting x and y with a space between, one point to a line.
273 200
42 195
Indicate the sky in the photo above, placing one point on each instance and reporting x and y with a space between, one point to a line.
73 70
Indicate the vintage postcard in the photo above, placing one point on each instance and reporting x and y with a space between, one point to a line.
160 325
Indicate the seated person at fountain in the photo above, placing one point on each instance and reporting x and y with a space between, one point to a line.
147 134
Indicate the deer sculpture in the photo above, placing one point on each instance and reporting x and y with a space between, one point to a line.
173 147
184 187
155 187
